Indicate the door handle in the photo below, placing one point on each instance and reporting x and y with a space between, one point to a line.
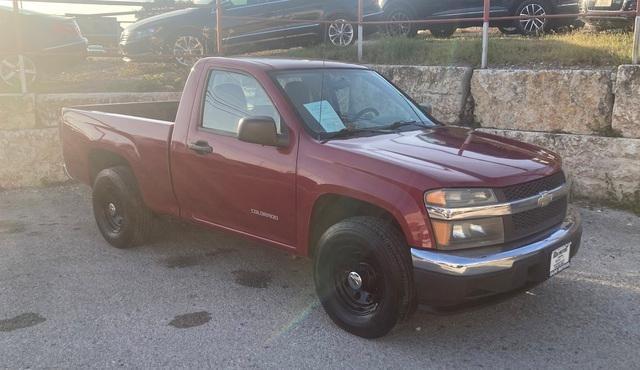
201 147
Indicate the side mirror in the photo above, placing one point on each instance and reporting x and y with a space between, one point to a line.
426 108
259 130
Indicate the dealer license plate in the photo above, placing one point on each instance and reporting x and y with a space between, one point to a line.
560 259
603 3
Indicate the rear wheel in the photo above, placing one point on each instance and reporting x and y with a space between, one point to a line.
532 26
363 276
123 219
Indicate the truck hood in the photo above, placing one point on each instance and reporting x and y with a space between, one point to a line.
456 156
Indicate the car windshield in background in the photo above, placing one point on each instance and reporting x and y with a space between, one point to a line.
334 101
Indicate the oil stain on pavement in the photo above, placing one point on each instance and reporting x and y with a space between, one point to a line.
252 279
190 320
11 227
189 261
21 321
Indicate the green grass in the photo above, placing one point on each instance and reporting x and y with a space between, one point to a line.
578 49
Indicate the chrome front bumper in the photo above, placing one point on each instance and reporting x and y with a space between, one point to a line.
487 260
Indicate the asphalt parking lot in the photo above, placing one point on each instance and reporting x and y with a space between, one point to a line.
198 298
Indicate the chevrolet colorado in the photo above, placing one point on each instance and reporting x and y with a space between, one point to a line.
331 161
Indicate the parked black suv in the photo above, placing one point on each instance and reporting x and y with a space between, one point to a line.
190 33
400 10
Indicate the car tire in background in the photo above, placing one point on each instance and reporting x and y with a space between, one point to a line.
342 31
532 26
10 70
363 276
442 31
187 47
122 217
398 12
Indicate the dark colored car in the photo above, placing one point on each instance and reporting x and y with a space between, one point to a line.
191 32
331 161
401 10
47 42
604 7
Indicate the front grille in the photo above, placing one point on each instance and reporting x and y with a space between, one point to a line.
528 223
523 224
532 188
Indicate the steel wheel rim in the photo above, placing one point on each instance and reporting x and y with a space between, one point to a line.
10 71
112 215
533 25
399 29
341 32
187 48
366 299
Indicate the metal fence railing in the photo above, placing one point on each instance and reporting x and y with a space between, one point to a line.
220 16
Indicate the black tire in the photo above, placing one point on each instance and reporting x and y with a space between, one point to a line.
533 26
377 253
122 217
346 28
400 12
443 32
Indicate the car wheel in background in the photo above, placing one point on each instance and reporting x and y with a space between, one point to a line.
443 31
341 32
363 276
532 26
400 13
188 48
122 217
10 70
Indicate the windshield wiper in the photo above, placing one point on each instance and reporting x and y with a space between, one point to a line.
398 124
349 132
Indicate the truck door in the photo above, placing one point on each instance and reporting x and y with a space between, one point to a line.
222 181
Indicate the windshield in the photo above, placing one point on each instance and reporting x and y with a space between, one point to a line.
334 100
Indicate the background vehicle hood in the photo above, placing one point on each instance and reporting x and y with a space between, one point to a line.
456 156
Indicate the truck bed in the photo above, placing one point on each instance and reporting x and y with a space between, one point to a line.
134 134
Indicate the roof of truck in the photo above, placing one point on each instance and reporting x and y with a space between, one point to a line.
282 63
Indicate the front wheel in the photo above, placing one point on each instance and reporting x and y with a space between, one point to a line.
363 276
188 49
341 32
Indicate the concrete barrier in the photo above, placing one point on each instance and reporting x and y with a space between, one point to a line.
17 111
446 89
626 110
569 101
601 168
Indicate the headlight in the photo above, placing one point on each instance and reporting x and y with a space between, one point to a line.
457 198
463 234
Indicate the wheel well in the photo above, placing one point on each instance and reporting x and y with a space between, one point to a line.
100 159
330 209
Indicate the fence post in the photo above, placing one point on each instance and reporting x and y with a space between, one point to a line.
360 31
636 36
485 33
218 27
19 45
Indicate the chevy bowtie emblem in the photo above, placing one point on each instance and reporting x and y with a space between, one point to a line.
545 199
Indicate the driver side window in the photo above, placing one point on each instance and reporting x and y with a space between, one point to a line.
232 96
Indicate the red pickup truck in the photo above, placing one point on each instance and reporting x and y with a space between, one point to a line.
331 161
